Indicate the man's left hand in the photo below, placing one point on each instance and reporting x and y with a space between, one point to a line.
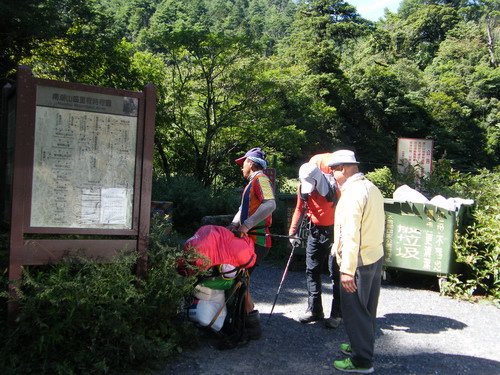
243 229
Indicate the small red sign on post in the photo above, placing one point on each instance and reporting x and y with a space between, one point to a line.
271 173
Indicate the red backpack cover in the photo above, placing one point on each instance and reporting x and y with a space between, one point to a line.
220 246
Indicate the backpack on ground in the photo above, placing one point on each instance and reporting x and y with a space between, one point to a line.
233 332
221 300
223 313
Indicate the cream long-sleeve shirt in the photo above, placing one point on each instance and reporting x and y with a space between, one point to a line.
359 224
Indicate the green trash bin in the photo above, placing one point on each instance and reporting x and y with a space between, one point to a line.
419 237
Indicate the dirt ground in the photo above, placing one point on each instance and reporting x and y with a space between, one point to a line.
419 332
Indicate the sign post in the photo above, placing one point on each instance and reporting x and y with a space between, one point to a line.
82 166
416 153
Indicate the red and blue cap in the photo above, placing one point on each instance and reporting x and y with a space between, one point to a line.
256 155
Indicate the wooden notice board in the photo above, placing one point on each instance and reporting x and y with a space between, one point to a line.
81 171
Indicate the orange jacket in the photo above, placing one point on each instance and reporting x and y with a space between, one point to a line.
318 210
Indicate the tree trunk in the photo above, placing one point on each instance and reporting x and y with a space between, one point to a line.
491 44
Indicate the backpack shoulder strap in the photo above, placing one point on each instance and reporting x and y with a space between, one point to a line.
233 290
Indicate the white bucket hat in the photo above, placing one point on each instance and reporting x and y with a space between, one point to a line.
342 157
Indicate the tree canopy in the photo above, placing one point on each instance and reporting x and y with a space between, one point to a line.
293 77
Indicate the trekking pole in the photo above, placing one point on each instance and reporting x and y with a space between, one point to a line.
299 225
275 235
282 279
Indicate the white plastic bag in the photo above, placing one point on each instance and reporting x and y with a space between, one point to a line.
451 204
406 193
203 311
209 294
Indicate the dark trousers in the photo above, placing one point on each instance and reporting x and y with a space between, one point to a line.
360 312
261 252
333 268
318 249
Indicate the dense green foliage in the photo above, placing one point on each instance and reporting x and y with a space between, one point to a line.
193 201
295 77
479 246
81 317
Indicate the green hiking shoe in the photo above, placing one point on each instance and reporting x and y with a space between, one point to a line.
346 349
347 366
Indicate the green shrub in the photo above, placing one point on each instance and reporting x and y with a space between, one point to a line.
289 185
383 178
443 180
191 201
479 246
81 317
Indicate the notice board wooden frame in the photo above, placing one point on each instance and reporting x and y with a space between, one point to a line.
50 246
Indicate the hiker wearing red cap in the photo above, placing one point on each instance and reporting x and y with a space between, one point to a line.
257 205
257 202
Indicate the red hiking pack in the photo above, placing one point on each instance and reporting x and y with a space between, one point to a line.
220 246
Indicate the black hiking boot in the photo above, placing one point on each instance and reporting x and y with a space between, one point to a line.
252 325
309 317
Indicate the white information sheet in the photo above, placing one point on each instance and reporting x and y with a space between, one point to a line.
113 206
84 168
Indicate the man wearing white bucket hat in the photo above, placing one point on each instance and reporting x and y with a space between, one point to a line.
358 246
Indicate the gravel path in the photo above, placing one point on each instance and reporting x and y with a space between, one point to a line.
418 332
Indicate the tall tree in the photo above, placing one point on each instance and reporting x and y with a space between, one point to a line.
464 97
314 47
443 75
418 33
217 104
277 22
24 23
